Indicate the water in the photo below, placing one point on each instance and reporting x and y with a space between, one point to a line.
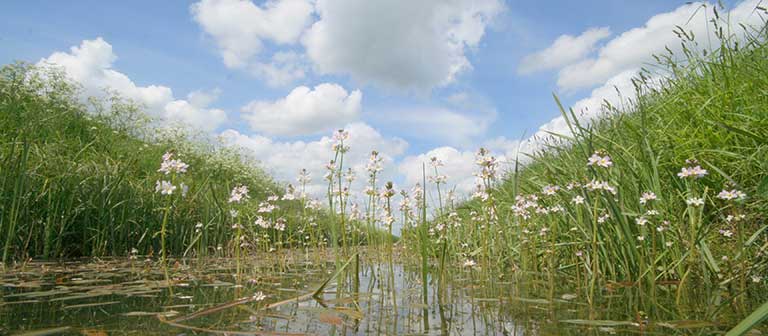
130 297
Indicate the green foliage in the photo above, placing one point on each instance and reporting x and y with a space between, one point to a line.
709 109
78 178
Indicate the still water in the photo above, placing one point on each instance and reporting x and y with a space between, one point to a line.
373 297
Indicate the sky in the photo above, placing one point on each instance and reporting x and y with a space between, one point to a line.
410 79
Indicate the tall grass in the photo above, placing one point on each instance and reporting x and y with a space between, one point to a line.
607 202
78 179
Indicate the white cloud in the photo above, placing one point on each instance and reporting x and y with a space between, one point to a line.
401 44
90 64
617 90
305 111
437 123
284 68
285 159
239 27
636 46
458 167
565 50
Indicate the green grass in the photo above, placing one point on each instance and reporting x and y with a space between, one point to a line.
78 179
711 108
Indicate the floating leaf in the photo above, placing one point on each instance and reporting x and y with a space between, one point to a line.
43 332
331 319
686 324
602 323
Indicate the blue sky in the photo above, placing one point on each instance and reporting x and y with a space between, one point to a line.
402 58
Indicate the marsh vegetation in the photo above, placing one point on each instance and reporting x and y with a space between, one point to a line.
648 218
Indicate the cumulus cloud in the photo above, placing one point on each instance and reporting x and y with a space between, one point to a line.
458 167
565 50
282 69
90 64
401 44
636 46
616 89
285 159
240 27
437 123
305 111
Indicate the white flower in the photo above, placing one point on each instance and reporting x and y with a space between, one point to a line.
605 162
592 160
340 135
757 278
598 160
233 213
556 208
438 179
641 221
259 296
647 196
726 233
238 194
164 187
265 207
577 200
170 165
695 201
600 185
651 212
304 177
668 244
550 190
696 172
640 238
731 194
470 263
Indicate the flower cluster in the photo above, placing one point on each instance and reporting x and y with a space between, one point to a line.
238 194
374 164
647 197
600 185
600 159
171 165
338 141
487 163
732 194
692 170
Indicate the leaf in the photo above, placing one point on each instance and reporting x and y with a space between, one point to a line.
601 323
686 324
763 187
93 332
750 321
43 332
86 305
331 319
320 289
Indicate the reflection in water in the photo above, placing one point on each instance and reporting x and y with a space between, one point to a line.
120 296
